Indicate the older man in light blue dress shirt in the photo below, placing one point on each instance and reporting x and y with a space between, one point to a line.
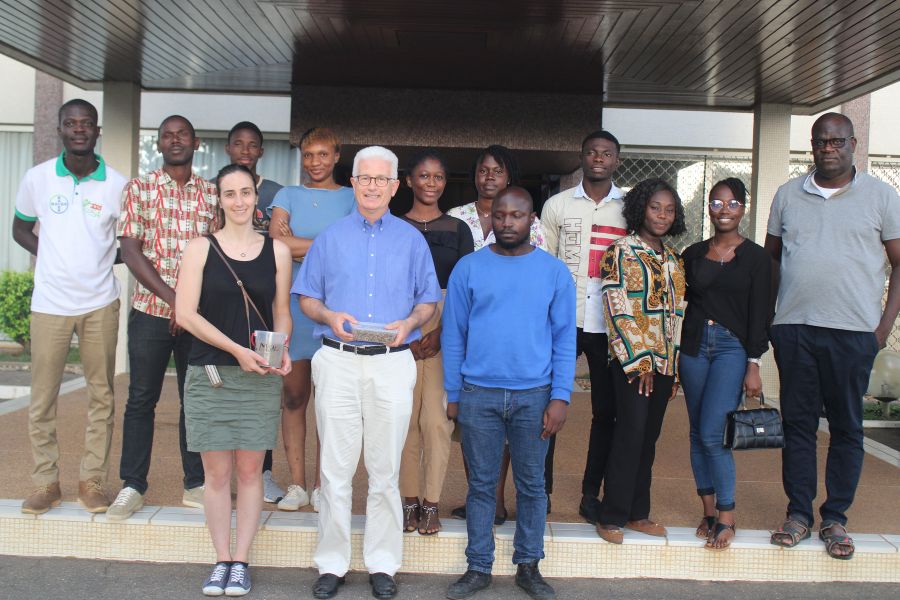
368 266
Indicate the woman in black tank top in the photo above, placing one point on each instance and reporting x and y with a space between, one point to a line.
233 424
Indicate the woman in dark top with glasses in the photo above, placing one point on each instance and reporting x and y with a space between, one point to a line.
428 440
724 335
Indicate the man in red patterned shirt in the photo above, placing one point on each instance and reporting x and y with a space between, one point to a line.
578 225
161 212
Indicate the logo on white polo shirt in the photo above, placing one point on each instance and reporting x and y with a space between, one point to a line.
91 209
59 203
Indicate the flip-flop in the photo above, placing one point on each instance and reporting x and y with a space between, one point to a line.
708 523
720 529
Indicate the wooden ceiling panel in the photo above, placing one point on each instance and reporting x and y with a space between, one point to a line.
714 53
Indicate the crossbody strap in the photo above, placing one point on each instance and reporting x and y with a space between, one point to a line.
248 301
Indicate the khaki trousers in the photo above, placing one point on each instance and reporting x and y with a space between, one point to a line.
51 336
427 450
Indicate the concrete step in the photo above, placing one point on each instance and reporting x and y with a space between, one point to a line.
177 534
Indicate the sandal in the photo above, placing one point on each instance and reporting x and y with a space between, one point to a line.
411 516
835 537
429 523
705 527
720 530
791 533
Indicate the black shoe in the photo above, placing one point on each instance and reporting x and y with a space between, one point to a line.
467 585
529 578
326 586
383 585
501 519
459 512
590 509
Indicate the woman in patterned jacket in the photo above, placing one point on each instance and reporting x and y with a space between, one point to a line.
643 288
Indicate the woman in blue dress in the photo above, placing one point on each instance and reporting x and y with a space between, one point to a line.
299 213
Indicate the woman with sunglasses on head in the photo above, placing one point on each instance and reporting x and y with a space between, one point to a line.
299 213
642 290
724 335
427 448
231 284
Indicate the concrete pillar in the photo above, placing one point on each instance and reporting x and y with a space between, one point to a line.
48 97
120 142
859 111
771 164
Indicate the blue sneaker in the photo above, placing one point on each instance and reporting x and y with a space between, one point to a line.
238 580
215 583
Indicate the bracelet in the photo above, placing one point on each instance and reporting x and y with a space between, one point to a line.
755 361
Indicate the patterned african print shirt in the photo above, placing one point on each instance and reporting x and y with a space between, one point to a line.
165 217
643 302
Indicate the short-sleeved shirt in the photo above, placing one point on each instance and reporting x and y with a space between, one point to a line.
165 217
266 191
832 257
311 210
578 231
376 272
74 270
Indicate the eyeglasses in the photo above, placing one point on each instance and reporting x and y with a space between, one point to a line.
717 205
819 143
380 180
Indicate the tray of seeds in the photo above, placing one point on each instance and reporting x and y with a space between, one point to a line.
372 332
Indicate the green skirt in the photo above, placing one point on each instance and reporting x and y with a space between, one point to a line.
243 414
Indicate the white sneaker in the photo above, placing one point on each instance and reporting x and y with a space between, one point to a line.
314 499
295 497
126 504
272 492
193 497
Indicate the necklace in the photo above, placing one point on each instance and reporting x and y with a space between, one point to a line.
730 249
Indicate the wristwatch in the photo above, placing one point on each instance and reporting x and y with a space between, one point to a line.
755 361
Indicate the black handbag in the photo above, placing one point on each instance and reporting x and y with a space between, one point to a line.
750 429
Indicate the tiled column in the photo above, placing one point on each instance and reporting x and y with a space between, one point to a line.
858 111
771 162
48 96
120 143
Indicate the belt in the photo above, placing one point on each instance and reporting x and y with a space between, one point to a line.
368 350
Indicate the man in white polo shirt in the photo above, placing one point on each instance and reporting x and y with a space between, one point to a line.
578 225
75 197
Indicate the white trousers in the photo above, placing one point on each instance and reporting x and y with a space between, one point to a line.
362 402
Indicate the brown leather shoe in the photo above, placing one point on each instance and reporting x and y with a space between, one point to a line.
610 533
647 526
42 499
92 496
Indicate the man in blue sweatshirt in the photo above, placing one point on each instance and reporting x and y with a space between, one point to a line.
510 380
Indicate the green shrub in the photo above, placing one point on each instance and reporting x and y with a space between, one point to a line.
15 305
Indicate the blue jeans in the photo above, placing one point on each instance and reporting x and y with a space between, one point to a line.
712 383
490 416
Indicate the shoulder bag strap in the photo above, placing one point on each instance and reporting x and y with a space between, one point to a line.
248 301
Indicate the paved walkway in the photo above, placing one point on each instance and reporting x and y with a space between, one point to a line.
760 497
103 580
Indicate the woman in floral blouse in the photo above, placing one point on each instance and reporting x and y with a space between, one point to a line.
643 288
495 169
